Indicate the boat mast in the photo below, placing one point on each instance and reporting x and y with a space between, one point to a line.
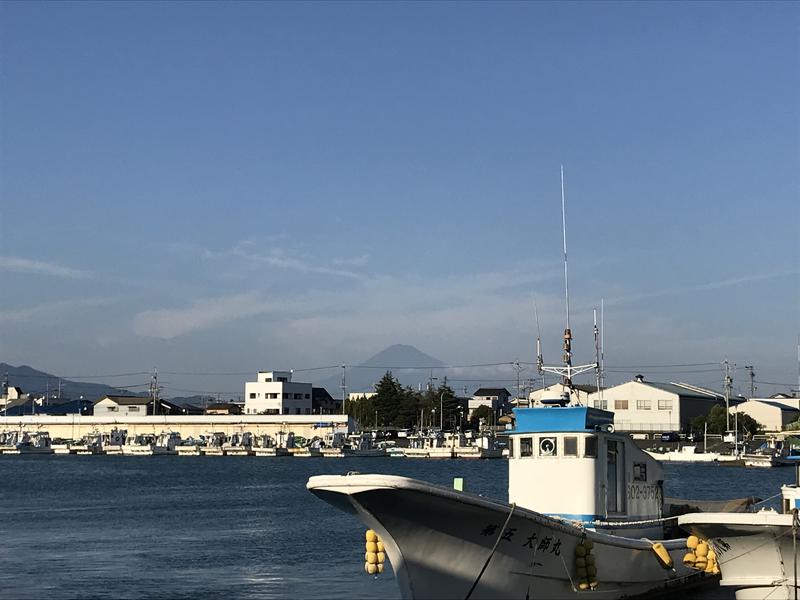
568 371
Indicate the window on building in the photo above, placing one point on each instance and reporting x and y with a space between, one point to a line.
665 404
308 411
113 408
620 405
267 379
297 411
643 404
271 411
133 409
526 447
570 446
283 379
287 396
308 396
252 395
298 396
590 447
639 472
273 396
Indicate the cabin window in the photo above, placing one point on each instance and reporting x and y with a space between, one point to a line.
526 446
267 379
548 446
570 446
620 405
639 472
590 447
643 404
665 404
252 395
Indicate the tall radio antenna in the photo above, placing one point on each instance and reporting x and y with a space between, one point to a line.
568 371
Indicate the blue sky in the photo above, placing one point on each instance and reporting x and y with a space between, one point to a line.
232 187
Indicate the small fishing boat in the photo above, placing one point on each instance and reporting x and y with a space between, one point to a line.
757 553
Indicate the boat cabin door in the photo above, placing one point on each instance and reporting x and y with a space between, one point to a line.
615 476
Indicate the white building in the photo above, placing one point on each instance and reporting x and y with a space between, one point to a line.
772 414
274 393
497 399
647 406
122 406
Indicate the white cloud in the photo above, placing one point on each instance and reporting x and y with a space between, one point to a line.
168 323
37 267
49 310
356 261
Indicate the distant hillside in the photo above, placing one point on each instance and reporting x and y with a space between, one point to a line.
406 363
36 382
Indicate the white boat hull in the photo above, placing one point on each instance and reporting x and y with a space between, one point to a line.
754 551
438 540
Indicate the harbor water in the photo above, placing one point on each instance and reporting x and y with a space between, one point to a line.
169 527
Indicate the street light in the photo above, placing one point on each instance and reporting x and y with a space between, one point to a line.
441 411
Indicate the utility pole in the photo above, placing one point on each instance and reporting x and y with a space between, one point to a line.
154 392
728 385
752 381
344 389
518 368
431 379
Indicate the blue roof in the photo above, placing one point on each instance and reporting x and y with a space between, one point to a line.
560 418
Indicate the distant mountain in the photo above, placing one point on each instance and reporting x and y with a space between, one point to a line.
36 382
407 364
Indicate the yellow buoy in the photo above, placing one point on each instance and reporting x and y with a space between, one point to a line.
380 545
380 567
711 554
589 559
370 568
371 536
580 550
381 557
664 559
371 547
583 584
593 584
591 572
689 558
581 572
701 563
372 558
702 549
589 544
692 541
581 562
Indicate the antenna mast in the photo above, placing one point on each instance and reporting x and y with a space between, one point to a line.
568 371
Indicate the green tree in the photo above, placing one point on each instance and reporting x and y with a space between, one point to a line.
482 412
717 422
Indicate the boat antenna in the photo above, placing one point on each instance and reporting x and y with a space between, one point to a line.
568 371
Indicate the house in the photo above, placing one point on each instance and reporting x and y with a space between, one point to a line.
122 406
274 393
223 408
648 406
497 399
772 414
135 406
322 403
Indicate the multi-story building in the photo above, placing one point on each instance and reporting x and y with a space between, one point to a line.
497 399
274 393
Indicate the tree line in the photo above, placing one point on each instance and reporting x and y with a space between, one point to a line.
402 407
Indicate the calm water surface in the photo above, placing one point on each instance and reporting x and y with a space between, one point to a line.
194 527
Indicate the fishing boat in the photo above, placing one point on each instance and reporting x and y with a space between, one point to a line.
757 553
584 514
152 445
37 442
583 505
363 445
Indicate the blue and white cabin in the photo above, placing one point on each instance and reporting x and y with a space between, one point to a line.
566 462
